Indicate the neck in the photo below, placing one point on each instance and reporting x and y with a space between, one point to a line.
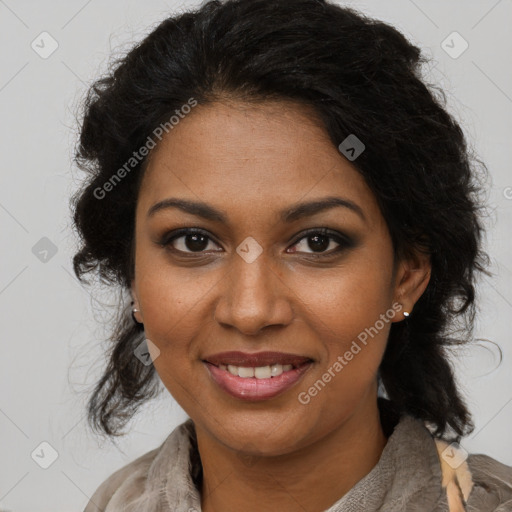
312 478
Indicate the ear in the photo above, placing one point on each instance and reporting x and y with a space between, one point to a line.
136 303
412 277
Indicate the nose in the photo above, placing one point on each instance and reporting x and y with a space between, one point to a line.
253 296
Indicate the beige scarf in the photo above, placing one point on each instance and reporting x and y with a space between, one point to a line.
457 479
413 474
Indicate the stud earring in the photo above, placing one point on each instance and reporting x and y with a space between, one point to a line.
134 310
406 313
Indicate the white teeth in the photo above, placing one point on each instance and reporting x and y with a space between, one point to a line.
245 372
260 372
233 369
276 369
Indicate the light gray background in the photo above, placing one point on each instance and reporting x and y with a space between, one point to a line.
51 327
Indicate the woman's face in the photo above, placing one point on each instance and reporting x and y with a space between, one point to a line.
254 281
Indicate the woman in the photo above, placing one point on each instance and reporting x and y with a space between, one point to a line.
295 220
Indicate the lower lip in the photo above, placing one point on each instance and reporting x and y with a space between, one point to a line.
253 389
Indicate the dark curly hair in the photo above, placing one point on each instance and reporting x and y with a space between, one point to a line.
361 76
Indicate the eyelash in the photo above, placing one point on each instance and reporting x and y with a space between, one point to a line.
343 240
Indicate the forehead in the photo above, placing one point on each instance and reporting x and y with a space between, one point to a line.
257 155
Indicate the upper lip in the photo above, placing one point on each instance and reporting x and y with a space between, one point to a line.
256 359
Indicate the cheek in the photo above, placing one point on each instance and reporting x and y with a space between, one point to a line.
347 322
173 321
172 297
349 310
348 299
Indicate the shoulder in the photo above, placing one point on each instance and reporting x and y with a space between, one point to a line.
483 483
130 478
140 481
492 489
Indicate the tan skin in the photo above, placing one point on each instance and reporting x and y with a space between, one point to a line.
250 162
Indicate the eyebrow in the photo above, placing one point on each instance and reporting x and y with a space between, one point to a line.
288 215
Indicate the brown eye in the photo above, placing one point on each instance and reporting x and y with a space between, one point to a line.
187 241
320 240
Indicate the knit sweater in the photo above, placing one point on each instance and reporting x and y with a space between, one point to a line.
407 478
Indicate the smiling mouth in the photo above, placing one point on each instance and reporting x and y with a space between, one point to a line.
256 375
256 383
256 359
259 372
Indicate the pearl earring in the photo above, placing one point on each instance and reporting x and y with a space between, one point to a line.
406 314
135 310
